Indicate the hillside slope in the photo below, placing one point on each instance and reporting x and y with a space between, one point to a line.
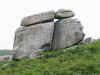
81 60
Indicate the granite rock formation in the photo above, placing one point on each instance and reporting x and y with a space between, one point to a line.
41 32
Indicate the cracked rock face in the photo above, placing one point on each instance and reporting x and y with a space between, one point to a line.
67 33
38 18
30 39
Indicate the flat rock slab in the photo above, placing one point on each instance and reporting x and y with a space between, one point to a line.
38 18
64 13
67 33
32 40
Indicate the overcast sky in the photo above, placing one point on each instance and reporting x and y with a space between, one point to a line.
12 11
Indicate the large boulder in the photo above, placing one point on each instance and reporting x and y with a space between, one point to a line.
38 18
64 13
67 32
32 40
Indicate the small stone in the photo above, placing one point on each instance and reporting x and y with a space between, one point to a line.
6 58
87 40
63 13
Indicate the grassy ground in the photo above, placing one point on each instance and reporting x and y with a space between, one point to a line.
82 60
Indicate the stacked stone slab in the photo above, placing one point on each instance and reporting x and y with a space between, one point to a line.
40 32
63 13
38 18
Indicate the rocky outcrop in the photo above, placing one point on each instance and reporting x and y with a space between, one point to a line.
40 32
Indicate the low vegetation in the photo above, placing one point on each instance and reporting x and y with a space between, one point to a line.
80 60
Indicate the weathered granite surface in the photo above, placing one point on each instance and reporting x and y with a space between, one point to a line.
38 18
31 39
67 33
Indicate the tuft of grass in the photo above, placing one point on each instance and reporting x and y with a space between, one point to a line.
81 60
